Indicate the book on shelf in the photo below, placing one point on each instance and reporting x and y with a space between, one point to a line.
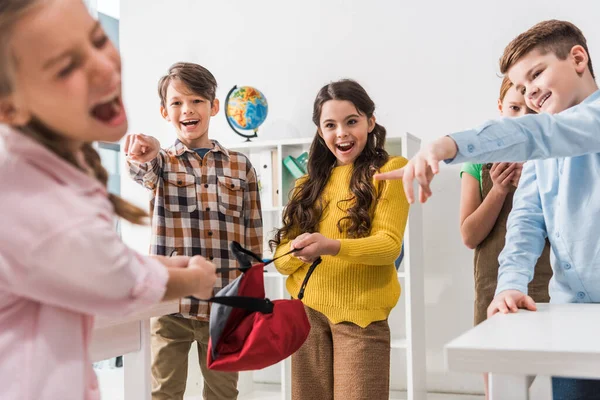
296 165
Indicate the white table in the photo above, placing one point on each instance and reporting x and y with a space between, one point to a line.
556 340
130 337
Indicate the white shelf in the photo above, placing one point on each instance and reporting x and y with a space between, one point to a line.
269 144
271 209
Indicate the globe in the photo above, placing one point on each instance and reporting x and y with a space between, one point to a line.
246 108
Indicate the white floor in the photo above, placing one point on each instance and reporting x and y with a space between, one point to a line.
111 387
266 392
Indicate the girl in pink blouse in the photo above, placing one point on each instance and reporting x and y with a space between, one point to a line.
60 259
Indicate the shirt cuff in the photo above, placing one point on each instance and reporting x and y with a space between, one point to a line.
142 166
512 281
345 249
151 289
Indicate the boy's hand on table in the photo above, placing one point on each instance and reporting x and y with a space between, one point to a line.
510 301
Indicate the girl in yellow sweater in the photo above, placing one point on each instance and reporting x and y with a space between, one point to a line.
338 212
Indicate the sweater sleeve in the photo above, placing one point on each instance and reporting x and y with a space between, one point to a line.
383 245
289 264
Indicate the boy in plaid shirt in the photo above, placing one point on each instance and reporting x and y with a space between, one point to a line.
203 197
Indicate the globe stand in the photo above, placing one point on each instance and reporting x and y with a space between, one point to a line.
248 137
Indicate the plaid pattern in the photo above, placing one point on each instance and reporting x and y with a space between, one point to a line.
199 205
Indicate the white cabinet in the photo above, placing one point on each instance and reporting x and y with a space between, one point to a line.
408 334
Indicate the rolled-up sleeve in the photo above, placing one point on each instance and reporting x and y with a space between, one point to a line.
87 268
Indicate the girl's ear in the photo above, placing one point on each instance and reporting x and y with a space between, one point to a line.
372 122
500 106
12 115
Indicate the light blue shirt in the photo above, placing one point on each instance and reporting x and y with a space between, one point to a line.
558 198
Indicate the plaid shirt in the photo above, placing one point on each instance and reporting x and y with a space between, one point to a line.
199 205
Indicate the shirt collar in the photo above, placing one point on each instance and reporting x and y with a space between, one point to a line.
592 97
179 148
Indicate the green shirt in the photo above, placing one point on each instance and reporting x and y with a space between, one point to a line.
475 171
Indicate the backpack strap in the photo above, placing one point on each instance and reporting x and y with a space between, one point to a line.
239 251
306 278
263 306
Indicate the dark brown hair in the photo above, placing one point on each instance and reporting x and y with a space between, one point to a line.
195 77
304 211
554 36
12 11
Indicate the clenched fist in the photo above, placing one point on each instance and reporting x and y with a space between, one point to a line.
141 148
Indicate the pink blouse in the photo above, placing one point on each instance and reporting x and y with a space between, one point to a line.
61 262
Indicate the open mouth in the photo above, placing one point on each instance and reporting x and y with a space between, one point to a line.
345 147
543 100
190 123
110 112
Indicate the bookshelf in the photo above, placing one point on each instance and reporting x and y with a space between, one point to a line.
407 323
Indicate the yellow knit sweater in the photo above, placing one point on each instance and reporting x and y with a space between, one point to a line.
359 284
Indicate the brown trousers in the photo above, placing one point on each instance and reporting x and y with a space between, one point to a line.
342 361
486 259
172 338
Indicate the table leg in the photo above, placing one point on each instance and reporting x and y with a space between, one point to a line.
136 367
513 387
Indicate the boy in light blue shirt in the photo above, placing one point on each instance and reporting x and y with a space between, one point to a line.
558 197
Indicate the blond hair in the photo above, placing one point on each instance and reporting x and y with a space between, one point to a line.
504 87
11 11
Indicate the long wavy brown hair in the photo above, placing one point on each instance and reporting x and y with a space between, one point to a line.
11 11
305 208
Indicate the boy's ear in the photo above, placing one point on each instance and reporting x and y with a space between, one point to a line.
10 114
500 106
372 122
164 113
215 107
580 58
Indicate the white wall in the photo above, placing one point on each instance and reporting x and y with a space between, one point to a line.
430 66
109 7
